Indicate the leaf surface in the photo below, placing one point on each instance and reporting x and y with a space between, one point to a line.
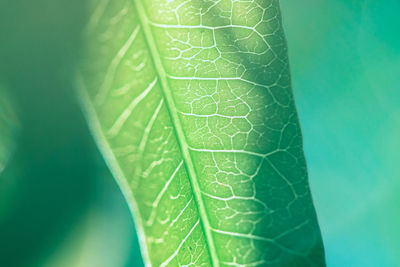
191 104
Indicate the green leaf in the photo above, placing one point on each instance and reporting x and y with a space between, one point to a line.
8 128
191 104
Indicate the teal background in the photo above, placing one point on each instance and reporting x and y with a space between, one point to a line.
59 205
345 63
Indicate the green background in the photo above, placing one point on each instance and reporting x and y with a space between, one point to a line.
59 206
345 59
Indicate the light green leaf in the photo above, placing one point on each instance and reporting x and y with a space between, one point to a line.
191 104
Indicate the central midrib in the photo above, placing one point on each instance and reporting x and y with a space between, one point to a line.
178 130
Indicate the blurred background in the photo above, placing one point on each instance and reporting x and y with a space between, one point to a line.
59 205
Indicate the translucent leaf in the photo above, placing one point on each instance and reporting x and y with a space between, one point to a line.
191 104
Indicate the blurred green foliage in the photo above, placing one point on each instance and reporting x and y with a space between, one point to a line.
61 207
58 184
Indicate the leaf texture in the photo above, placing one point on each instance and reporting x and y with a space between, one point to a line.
191 104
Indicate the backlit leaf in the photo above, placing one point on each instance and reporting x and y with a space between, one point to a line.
191 104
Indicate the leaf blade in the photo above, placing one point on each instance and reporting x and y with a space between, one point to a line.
223 111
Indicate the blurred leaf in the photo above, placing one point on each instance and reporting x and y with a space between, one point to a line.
104 236
191 104
52 164
8 128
